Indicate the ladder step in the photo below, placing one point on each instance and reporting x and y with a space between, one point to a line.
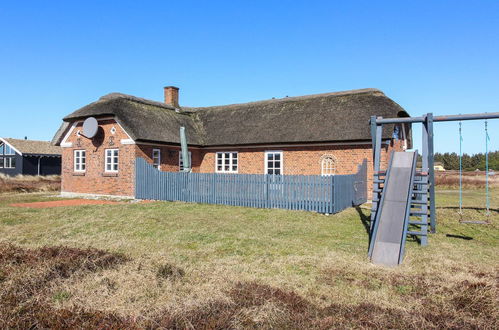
418 223
379 181
417 233
421 174
419 202
419 212
420 191
377 190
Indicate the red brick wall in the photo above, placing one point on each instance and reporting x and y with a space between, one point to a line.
169 156
95 180
296 160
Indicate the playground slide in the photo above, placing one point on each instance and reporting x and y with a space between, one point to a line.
388 238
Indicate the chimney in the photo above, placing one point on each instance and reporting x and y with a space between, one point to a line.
171 96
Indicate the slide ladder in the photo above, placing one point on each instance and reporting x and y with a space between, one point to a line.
401 209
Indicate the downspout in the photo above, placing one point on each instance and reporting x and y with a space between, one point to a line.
39 159
185 151
404 137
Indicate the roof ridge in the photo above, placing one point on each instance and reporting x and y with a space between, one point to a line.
113 96
290 99
9 138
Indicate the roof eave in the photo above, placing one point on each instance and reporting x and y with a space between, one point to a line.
296 143
45 155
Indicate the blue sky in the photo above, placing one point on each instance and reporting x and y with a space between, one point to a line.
429 56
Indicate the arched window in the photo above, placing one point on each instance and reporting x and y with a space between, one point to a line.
328 165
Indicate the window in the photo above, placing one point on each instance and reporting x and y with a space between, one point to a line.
328 165
273 162
9 162
227 162
1 148
9 150
156 158
181 161
79 160
1 162
396 133
111 160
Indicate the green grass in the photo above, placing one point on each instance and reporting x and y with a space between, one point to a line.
202 232
321 258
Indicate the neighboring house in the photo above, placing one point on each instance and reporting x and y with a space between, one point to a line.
29 157
323 134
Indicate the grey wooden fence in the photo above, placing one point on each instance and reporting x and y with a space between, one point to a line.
324 194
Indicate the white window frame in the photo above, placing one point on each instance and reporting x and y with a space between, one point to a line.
156 161
9 161
113 160
281 169
231 162
181 163
77 154
332 168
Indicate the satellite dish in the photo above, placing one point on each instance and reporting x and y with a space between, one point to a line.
90 127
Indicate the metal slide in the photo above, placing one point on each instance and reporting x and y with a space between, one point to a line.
392 218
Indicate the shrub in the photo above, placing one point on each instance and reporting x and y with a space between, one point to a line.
169 271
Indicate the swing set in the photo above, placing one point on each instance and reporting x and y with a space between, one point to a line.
421 197
487 196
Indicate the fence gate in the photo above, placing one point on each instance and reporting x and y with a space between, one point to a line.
324 194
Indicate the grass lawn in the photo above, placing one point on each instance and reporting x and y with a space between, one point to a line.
208 266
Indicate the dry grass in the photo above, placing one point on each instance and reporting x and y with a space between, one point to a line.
28 275
30 178
470 180
208 267
31 290
29 183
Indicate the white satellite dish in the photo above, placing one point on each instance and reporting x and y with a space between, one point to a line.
90 127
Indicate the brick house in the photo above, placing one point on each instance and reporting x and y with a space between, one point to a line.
323 134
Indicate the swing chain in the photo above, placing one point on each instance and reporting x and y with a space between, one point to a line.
487 138
487 169
460 171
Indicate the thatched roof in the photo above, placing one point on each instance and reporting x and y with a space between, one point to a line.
331 117
144 120
33 147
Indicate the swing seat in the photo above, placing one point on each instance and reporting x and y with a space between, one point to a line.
473 222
